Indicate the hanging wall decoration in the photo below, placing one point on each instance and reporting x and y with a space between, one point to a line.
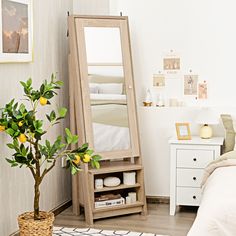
171 63
159 80
190 84
16 31
202 90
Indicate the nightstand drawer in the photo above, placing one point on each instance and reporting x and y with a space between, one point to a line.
194 158
189 177
188 196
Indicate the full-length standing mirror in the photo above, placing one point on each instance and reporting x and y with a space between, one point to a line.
108 102
103 111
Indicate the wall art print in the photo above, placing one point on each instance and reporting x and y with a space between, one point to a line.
16 31
202 90
190 84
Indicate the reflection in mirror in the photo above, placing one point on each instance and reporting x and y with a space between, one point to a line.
107 90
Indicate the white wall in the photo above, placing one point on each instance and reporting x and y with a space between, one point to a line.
50 55
204 35
91 7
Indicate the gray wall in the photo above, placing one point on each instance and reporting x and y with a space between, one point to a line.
50 55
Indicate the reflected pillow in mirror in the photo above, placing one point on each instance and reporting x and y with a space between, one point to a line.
110 88
94 88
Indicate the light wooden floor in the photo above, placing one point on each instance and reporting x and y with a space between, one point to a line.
158 221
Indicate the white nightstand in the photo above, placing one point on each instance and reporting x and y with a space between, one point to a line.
188 160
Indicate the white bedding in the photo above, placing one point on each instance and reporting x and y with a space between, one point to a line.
110 97
110 138
217 213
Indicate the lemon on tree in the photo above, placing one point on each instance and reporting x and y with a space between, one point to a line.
22 138
86 158
43 101
2 128
77 159
20 123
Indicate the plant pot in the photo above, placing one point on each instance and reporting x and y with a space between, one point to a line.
30 227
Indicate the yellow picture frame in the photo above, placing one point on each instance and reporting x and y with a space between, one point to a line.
183 131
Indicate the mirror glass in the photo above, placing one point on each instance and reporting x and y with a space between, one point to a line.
107 91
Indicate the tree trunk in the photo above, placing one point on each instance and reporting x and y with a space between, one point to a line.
36 200
37 183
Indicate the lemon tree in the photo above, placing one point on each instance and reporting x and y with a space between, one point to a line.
31 149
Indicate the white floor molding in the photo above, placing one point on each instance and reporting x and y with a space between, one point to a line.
64 231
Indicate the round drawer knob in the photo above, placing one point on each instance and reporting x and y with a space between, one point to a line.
194 197
194 159
194 178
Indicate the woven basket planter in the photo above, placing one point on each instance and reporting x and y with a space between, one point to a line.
30 227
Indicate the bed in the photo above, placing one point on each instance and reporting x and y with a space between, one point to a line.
217 212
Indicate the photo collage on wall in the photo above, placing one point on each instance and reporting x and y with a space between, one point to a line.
192 85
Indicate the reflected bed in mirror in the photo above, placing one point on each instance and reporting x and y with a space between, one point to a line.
109 113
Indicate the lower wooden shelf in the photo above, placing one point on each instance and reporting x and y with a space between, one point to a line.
118 210
113 208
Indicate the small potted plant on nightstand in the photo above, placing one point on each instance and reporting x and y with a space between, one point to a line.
37 154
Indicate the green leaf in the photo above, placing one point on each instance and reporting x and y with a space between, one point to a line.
62 145
16 134
60 83
15 106
14 164
75 139
29 82
11 146
10 131
42 89
73 170
14 126
48 95
10 161
68 140
81 149
48 144
38 125
97 164
96 157
18 117
23 84
69 136
16 143
48 117
22 108
62 112
89 152
68 133
52 116
53 77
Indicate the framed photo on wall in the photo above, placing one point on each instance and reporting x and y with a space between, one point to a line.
183 131
171 63
190 84
16 31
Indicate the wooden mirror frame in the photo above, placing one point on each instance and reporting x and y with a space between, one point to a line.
80 68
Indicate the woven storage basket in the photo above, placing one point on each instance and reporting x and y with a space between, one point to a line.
30 227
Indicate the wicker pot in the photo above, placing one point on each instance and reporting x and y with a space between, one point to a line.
30 227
